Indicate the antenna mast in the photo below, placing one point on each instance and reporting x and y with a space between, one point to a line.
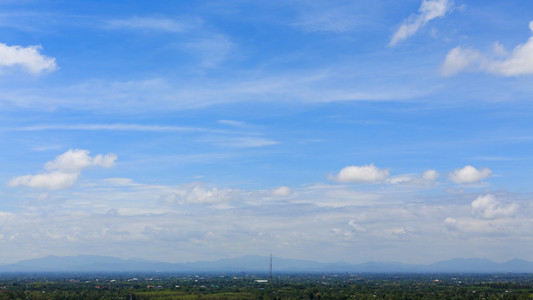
270 275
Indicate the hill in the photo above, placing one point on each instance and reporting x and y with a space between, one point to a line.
258 264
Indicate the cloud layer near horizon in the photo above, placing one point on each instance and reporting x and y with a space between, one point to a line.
198 218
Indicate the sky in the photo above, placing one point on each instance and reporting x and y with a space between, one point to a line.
333 131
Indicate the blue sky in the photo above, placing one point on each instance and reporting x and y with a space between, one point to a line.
198 130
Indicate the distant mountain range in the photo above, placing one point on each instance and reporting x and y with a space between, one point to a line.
258 264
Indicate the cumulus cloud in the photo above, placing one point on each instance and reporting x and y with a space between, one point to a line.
28 58
366 173
430 175
372 174
429 10
488 207
49 181
282 191
74 161
518 62
64 170
469 174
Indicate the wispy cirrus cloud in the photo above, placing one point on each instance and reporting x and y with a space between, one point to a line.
319 86
234 123
211 50
240 141
108 127
153 23
429 10
324 17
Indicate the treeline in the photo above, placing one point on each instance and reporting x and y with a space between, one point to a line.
246 286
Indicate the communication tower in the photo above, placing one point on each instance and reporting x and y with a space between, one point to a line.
270 274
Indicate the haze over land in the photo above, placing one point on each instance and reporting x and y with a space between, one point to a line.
256 264
185 131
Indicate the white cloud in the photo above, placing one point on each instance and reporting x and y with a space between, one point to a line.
122 97
499 49
346 234
74 161
469 174
240 142
104 161
397 233
282 191
64 171
220 198
427 178
366 173
50 181
430 175
147 23
28 58
104 219
488 207
356 227
372 174
200 195
429 10
118 181
322 16
110 127
519 62
460 59
338 197
233 123
450 223
401 179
